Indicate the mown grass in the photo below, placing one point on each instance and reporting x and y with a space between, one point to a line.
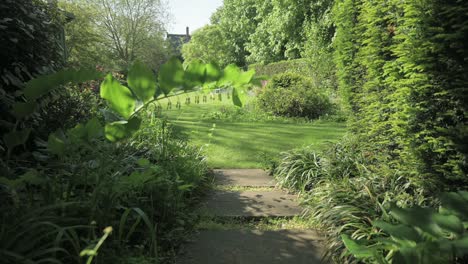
241 144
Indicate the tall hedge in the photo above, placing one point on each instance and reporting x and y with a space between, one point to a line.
403 67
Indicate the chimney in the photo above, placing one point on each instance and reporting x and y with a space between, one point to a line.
187 30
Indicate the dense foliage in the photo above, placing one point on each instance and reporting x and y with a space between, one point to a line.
407 85
205 45
31 42
131 173
422 235
256 31
114 33
299 66
402 69
293 95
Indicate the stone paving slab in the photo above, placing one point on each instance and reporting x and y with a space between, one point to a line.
252 204
244 177
253 247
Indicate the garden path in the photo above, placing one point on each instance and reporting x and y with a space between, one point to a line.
250 194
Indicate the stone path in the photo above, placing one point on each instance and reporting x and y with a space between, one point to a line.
251 246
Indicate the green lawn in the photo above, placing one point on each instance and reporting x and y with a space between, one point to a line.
246 144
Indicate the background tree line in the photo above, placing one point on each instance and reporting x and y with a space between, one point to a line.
114 33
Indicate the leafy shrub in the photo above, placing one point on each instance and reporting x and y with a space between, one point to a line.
292 95
30 46
422 235
341 190
72 105
299 169
248 113
148 181
298 66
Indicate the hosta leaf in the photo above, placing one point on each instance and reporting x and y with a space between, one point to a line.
213 73
121 129
94 129
116 130
231 75
119 97
194 75
142 81
78 132
450 223
21 110
239 96
417 217
455 203
406 255
359 251
16 138
56 144
245 77
171 76
401 232
43 84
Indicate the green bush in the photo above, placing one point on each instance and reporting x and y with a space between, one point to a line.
293 95
299 169
72 105
299 66
248 113
422 235
148 181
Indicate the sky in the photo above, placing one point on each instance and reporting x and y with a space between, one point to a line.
192 13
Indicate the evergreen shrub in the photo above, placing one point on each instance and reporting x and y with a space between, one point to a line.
293 95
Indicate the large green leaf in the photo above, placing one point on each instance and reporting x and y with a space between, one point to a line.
94 129
78 133
245 77
121 129
231 75
239 96
213 73
449 223
455 203
142 81
171 76
56 144
194 75
43 84
401 232
21 110
16 138
358 250
418 217
119 97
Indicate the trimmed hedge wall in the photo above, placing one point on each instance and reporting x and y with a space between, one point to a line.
403 66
